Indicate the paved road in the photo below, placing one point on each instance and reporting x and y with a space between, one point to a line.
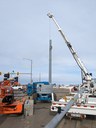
86 123
41 117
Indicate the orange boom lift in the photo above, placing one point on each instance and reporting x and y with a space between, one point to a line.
9 105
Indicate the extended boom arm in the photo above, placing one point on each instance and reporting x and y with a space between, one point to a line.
87 76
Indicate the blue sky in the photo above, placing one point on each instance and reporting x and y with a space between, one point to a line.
25 30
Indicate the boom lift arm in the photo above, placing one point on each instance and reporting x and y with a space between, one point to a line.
87 75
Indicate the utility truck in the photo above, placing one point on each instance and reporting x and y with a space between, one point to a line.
81 103
83 106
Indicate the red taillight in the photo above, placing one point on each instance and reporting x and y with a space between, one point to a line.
54 103
92 106
59 104
78 105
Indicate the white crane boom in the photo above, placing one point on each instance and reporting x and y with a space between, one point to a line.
87 76
53 123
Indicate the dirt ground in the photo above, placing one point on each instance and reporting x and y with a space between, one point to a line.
42 116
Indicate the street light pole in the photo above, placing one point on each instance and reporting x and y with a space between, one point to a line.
31 72
31 69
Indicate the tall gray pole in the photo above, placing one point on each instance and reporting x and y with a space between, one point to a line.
50 61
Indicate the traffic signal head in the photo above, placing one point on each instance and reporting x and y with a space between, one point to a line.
16 79
7 75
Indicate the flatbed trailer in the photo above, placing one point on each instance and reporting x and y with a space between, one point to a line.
85 105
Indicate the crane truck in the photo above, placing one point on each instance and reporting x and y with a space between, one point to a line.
81 104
